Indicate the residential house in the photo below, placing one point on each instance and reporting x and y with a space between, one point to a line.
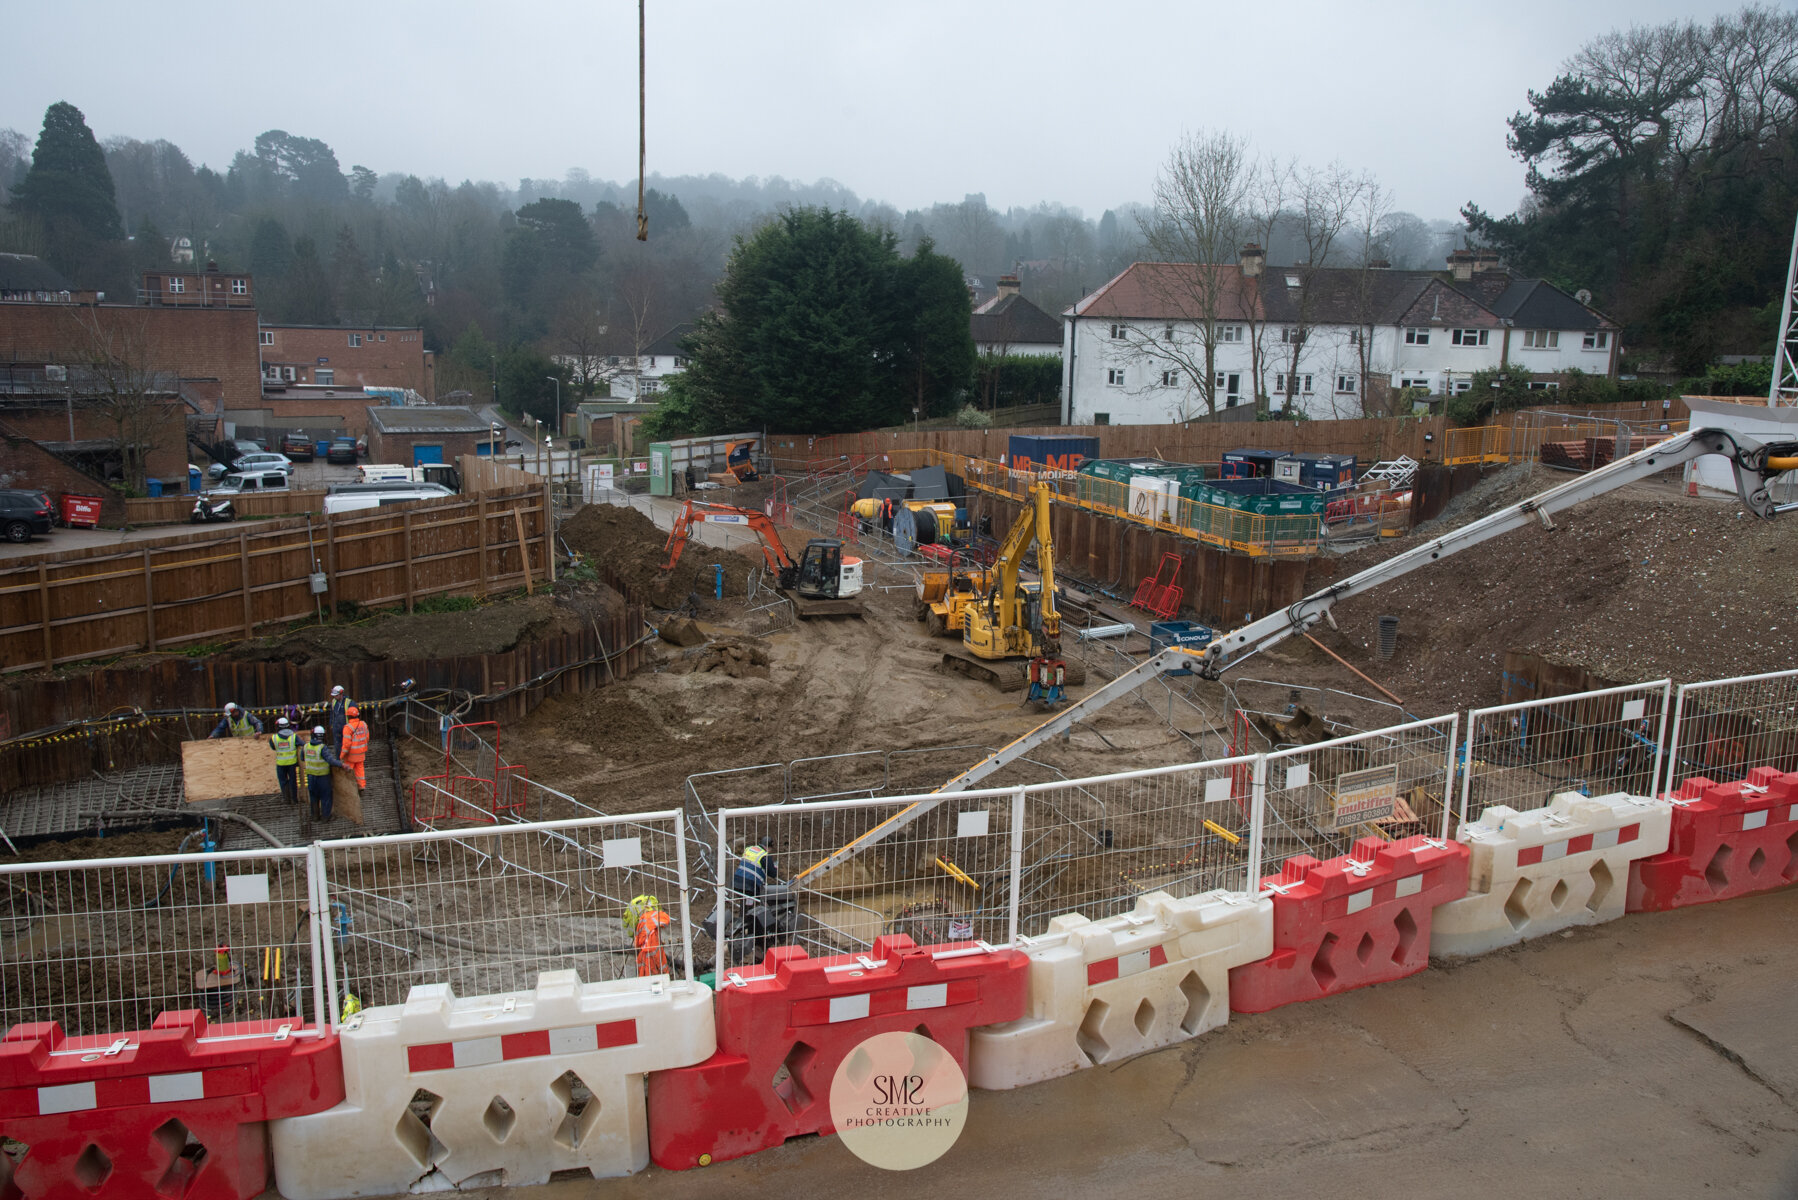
641 376
1330 342
1009 324
211 288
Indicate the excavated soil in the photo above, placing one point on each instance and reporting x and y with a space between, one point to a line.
489 629
629 543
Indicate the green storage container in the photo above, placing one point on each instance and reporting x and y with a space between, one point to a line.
661 469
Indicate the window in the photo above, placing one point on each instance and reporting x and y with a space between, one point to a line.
271 372
268 338
1422 383
240 287
1292 281
324 375
1168 334
355 339
611 360
1229 333
1114 376
177 284
1291 335
1345 385
1597 339
1538 385
1355 336
1101 418
1541 339
1117 332
1462 387
1417 337
289 374
383 337
1303 383
679 362
649 387
1470 337
1170 379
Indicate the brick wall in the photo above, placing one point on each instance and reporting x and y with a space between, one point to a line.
208 343
167 457
25 464
386 357
397 447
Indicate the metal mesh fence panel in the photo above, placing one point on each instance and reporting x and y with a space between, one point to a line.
1390 783
486 909
1725 728
1093 846
1522 755
103 946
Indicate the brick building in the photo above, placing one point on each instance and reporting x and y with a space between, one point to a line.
211 288
414 435
342 357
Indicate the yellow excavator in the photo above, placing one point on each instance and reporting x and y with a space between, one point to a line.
1011 635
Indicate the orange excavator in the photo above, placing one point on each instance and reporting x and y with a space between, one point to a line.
820 584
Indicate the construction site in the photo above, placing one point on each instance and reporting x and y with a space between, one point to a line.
954 699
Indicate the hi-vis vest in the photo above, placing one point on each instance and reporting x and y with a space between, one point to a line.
355 739
287 749
314 754
240 725
750 873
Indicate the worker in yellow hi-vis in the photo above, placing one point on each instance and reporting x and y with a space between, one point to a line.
644 921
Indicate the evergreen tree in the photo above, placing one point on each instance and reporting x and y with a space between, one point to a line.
309 299
271 253
68 192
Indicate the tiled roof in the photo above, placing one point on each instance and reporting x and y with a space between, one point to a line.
1172 292
669 343
1013 320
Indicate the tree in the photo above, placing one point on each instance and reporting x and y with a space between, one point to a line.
1371 212
937 342
271 253
125 379
306 166
1200 195
69 192
308 291
1326 199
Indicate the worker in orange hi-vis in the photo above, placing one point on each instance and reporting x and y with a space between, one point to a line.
354 748
644 921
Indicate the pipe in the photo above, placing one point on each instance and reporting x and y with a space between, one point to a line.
1376 687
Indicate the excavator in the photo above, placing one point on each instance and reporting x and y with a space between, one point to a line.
946 593
821 584
1011 634
1755 464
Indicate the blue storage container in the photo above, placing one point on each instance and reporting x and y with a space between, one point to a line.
1049 452
1250 463
193 479
324 448
1163 634
154 486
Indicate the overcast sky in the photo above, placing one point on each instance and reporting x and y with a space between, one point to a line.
909 103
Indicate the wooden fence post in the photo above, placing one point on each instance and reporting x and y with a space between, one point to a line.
43 612
149 602
243 559
331 563
411 581
524 546
549 534
486 586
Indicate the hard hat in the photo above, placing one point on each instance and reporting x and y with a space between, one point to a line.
319 730
281 722
230 706
352 710
337 691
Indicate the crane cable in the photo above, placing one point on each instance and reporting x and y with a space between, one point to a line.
642 130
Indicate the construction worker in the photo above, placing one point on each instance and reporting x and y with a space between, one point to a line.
337 715
237 722
755 867
644 921
318 758
285 742
352 747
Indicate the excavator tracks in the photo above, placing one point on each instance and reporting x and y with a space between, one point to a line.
1006 674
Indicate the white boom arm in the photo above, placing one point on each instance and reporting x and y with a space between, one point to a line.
1754 465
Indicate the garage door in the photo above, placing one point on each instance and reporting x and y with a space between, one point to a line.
426 454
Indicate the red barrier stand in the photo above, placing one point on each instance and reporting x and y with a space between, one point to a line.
783 1030
1357 919
1729 840
160 1113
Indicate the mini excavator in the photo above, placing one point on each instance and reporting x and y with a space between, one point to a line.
821 584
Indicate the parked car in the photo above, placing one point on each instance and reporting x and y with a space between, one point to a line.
243 483
24 513
297 446
264 461
343 450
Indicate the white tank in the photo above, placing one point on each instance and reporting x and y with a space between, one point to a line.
850 580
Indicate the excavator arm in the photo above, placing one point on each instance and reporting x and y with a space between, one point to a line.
698 511
1755 465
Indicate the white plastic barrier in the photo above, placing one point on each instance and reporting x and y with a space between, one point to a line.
1548 869
1101 991
494 1091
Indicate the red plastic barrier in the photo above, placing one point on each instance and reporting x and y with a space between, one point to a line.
1729 840
160 1114
783 1032
1361 918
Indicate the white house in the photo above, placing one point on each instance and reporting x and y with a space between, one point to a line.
635 376
1010 324
1330 341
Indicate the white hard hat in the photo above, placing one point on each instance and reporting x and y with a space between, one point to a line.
281 722
230 706
319 729
337 691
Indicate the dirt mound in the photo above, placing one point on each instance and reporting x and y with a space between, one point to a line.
737 659
631 545
488 629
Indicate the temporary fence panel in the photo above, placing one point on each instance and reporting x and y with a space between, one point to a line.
1386 784
942 876
1522 755
1724 728
104 946
487 909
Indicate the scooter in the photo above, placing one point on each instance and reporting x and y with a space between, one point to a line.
207 511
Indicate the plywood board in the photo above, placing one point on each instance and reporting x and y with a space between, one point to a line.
346 797
226 768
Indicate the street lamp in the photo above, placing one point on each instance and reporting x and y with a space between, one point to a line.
557 380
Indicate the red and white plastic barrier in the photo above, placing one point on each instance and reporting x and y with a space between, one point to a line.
515 1087
1360 918
1537 872
1728 840
160 1112
783 1029
1102 991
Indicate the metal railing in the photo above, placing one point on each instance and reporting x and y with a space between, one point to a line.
1724 728
1522 755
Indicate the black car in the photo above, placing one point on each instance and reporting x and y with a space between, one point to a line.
24 513
343 450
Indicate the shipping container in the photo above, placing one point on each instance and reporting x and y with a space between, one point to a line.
1250 463
1264 497
1055 452
1326 472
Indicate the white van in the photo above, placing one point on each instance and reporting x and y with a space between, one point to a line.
247 483
383 472
351 497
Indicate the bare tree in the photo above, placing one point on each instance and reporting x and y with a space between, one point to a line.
1370 214
1269 187
1325 200
1198 218
123 380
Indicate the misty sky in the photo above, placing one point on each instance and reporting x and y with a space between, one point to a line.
909 103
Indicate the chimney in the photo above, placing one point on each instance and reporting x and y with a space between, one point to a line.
1253 258
1485 260
1461 263
1380 264
212 268
1008 286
